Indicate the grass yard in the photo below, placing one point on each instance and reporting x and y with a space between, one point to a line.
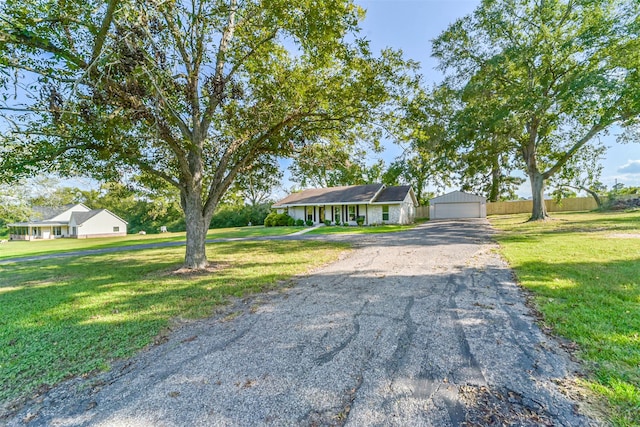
584 270
362 230
62 318
41 247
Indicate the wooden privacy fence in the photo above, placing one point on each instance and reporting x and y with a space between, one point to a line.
422 212
525 206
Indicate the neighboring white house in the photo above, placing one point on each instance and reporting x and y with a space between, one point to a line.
76 221
373 203
457 205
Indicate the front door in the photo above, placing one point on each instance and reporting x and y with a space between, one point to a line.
321 214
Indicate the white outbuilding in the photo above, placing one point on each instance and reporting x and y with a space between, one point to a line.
457 205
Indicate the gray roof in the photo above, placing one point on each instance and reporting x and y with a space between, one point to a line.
82 217
43 213
332 195
457 197
393 194
353 194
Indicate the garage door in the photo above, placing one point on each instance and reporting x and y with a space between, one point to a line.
457 210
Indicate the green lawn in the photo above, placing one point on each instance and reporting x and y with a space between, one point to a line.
41 247
361 230
61 318
584 270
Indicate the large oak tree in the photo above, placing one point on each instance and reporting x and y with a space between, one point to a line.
187 93
545 77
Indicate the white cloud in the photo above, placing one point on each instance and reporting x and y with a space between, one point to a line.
632 167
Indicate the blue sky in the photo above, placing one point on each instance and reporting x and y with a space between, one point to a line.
410 25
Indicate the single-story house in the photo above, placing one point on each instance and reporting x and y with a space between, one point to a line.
374 203
457 205
75 220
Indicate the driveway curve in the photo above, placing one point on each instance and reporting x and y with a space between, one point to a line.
424 327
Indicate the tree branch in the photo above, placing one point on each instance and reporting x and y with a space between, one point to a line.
104 28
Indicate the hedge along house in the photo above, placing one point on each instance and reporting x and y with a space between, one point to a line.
76 221
373 203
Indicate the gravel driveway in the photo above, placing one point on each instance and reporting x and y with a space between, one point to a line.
424 327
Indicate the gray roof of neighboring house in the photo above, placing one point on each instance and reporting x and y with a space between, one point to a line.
393 194
332 195
43 213
82 217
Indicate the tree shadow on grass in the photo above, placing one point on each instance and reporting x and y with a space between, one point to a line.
595 305
65 317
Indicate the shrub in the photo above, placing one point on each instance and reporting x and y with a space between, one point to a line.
360 221
282 219
270 220
337 219
309 223
278 220
300 222
327 222
291 222
346 224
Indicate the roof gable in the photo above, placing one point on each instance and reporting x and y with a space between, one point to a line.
58 213
395 194
354 194
82 217
457 197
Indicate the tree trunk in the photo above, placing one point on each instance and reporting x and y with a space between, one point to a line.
494 192
595 196
197 227
539 211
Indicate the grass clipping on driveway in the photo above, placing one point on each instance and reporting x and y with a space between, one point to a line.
62 318
584 270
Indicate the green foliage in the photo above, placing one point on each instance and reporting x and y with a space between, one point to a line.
190 100
537 82
278 220
299 222
240 216
334 164
309 223
360 221
327 222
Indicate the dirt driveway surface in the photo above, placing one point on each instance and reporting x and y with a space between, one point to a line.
424 327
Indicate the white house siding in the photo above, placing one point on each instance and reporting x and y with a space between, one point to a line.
296 212
101 225
375 214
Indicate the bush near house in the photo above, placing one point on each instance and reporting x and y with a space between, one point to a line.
278 220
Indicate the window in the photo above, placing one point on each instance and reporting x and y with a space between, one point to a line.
385 213
116 229
352 213
57 231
